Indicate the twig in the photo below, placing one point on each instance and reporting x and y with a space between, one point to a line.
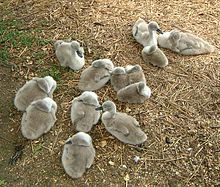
100 170
22 52
215 126
32 148
165 160
204 143
195 171
104 94
199 151
55 141
159 159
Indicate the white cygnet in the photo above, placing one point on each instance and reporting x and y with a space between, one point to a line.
78 154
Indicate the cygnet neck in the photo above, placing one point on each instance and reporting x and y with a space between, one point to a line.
110 113
152 36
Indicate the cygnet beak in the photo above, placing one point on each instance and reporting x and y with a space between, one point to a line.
99 108
80 54
110 71
69 142
160 31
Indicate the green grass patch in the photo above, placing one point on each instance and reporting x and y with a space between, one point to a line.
43 42
38 55
4 55
14 37
38 148
3 182
53 71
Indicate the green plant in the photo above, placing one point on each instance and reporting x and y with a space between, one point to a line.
3 182
52 71
14 37
38 148
43 42
38 55
4 55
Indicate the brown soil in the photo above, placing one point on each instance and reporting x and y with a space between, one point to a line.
181 118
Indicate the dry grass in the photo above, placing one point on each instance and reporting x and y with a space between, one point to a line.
181 118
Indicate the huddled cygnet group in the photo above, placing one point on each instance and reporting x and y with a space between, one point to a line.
35 98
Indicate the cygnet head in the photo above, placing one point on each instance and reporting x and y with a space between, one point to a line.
89 97
76 48
153 26
47 84
46 104
50 103
51 83
132 69
80 138
107 106
58 43
103 63
144 90
118 71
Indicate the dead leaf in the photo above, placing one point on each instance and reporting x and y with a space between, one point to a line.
111 163
126 178
103 143
128 109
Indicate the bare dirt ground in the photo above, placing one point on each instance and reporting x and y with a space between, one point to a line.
181 119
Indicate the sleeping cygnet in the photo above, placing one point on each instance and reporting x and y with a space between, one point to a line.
70 54
78 154
119 78
135 74
134 93
122 126
184 43
144 33
39 118
96 76
83 113
37 88
152 54
140 31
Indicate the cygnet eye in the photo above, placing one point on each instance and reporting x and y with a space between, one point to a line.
159 31
136 32
80 54
69 142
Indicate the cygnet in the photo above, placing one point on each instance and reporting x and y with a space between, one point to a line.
184 43
134 93
96 76
119 78
144 33
122 126
78 154
39 118
37 88
140 31
70 54
135 74
155 56
83 113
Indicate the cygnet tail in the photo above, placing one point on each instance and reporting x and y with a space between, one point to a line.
210 48
142 138
203 48
206 47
